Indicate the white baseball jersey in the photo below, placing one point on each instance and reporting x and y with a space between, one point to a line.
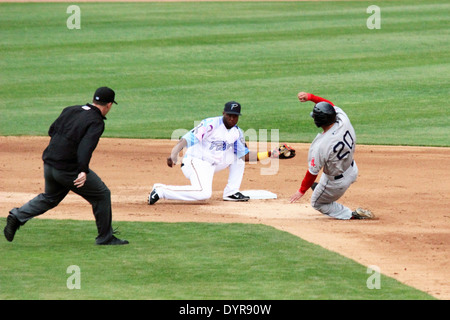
333 150
211 147
211 141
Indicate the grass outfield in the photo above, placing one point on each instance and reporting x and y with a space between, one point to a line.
174 63
181 261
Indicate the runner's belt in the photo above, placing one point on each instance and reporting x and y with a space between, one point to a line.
341 175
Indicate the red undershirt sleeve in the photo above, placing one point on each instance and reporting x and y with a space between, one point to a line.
309 178
317 99
307 182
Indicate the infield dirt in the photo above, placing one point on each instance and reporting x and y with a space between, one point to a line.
406 187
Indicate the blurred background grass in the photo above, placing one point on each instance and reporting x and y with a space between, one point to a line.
175 63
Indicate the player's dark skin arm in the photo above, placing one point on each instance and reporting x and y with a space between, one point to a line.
251 156
229 120
172 160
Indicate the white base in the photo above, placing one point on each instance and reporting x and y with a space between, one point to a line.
259 194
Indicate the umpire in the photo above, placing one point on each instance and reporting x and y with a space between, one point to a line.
74 137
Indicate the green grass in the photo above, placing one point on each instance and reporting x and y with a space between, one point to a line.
178 261
174 63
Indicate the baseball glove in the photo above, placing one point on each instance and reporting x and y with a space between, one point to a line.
284 151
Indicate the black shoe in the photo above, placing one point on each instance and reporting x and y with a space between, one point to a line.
12 225
314 185
236 197
114 241
153 197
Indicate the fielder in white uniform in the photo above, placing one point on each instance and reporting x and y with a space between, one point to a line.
215 144
332 150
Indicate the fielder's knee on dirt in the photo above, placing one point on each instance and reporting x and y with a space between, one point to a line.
204 195
186 193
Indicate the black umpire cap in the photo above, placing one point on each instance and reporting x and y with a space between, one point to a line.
104 94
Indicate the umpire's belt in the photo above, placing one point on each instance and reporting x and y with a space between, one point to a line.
342 175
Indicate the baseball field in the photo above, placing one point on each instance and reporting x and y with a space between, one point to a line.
173 64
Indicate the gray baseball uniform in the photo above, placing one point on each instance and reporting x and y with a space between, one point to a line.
333 151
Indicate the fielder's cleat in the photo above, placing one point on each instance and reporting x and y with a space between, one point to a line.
236 197
113 242
153 197
12 225
362 214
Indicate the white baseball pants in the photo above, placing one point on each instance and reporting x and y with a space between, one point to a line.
201 174
329 190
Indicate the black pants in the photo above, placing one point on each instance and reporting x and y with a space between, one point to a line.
58 183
